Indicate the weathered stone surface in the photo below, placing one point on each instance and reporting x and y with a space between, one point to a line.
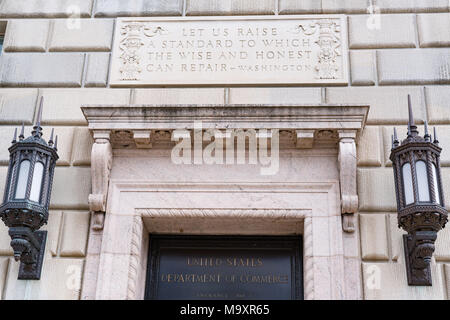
75 234
60 280
345 6
229 7
368 147
412 5
42 69
387 105
396 237
391 31
295 6
3 270
374 243
437 99
82 146
447 278
442 252
143 8
445 173
388 281
26 35
82 35
97 70
53 231
62 106
431 66
71 188
376 190
5 240
434 30
17 105
442 132
257 59
45 8
180 96
362 68
275 95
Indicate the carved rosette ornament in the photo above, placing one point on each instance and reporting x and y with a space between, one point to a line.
420 201
328 39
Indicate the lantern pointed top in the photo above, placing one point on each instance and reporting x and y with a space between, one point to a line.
22 132
50 142
435 141
427 136
15 136
412 128
37 129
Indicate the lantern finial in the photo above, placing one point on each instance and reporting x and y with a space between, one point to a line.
50 142
37 129
412 128
427 136
56 143
395 142
15 136
22 132
435 141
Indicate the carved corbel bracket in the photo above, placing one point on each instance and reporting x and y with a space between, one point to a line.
305 139
142 139
347 174
101 161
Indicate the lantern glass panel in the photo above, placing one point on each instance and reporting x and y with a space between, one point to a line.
422 181
435 184
407 183
22 181
38 174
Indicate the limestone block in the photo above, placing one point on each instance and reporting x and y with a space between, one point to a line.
437 99
387 281
393 31
434 30
3 271
3 173
97 70
275 95
376 190
82 35
75 234
53 230
431 66
17 105
445 173
175 95
140 8
374 244
442 244
5 239
42 69
362 68
447 277
345 6
45 8
229 7
396 237
368 147
60 280
295 6
442 133
82 146
62 106
26 35
390 6
387 105
71 188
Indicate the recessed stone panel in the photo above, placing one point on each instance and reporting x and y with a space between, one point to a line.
230 51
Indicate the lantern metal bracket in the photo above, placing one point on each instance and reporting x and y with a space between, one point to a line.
414 252
33 271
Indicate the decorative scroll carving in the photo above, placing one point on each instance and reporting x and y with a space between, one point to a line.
101 161
135 250
347 173
131 45
330 45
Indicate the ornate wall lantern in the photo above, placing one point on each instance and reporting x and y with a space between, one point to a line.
27 197
420 200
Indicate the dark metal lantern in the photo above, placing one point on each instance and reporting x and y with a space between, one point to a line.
27 197
420 198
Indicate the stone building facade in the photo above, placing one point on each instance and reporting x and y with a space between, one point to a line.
101 217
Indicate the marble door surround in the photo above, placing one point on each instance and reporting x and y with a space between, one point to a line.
131 198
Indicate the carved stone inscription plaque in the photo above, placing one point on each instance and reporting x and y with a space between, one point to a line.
232 51
199 268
